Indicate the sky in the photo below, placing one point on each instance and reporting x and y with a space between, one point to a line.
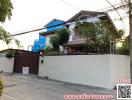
33 14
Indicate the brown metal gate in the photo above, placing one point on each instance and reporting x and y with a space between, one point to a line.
26 59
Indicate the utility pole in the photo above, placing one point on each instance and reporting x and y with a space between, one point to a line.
130 32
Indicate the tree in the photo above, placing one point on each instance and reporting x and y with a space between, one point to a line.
55 42
6 12
99 35
5 36
63 35
61 38
89 31
125 48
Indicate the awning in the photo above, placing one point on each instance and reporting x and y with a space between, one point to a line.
77 42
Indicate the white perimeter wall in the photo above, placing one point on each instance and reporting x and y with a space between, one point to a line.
95 70
6 64
120 68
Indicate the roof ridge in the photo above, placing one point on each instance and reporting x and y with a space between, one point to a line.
53 20
83 11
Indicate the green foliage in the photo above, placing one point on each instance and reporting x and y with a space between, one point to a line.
61 38
5 10
1 87
48 51
125 48
5 36
99 34
55 42
10 53
48 48
108 32
63 35
52 53
17 43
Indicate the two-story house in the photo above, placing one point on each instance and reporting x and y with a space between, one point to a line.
77 41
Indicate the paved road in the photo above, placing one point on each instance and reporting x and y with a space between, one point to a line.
31 87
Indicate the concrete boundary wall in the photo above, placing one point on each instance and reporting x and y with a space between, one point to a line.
95 70
6 64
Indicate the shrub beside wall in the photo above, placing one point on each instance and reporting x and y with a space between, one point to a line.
1 87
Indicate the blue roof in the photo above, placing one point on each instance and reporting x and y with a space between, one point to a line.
41 43
55 22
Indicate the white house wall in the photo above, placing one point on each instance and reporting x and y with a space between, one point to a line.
48 39
6 64
93 19
73 24
72 31
94 70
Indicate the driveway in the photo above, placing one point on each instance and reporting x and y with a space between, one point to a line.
31 87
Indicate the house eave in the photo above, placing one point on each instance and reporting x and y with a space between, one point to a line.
88 13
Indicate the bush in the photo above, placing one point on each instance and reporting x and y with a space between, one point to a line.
48 48
63 35
125 48
55 42
10 53
61 38
1 87
123 51
52 53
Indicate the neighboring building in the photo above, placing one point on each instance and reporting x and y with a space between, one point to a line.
39 44
50 31
44 37
77 41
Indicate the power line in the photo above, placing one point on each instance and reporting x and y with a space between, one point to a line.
38 29
49 26
117 13
22 33
70 4
121 18
117 6
107 9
